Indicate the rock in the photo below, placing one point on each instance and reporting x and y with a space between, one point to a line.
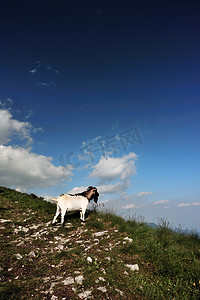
52 285
96 241
68 280
120 292
46 279
103 289
59 277
32 254
103 271
18 256
100 233
89 259
128 239
59 247
101 278
79 279
107 258
126 273
4 220
85 294
133 267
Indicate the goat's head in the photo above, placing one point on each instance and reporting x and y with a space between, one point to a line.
92 193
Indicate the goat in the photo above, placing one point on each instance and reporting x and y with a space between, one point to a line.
69 202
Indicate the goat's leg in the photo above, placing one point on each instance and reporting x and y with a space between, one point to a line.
83 214
63 211
58 210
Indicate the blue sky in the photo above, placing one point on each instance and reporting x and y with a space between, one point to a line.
103 93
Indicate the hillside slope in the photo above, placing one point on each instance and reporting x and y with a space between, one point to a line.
94 260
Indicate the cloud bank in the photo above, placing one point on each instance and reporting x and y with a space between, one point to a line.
10 127
21 168
110 168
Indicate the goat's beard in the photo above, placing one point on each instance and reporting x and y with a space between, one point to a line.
95 197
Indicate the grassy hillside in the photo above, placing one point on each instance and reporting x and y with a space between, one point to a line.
91 260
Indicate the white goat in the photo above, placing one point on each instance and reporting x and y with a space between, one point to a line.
69 202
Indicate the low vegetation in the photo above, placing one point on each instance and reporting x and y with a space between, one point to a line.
91 260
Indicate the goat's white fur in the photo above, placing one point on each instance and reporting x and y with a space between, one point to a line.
67 203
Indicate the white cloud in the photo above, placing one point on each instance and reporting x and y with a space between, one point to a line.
10 127
21 168
161 202
184 205
144 194
77 189
131 205
33 71
113 188
109 168
188 204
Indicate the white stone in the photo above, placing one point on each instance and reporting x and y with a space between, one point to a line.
103 289
52 285
85 294
18 256
60 247
100 233
89 259
59 277
4 220
79 279
96 241
120 292
103 270
107 258
126 273
32 254
128 239
133 267
101 278
68 280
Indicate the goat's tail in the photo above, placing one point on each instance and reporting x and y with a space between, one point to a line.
54 199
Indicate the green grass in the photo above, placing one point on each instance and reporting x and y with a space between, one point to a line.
169 261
